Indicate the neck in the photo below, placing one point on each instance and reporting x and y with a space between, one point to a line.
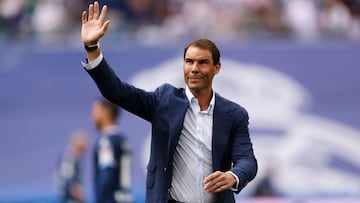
106 125
203 97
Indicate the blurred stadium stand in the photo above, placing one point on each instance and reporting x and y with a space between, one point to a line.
150 21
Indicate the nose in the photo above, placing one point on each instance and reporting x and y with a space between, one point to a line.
195 68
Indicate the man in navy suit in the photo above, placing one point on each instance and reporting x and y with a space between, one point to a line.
111 156
200 148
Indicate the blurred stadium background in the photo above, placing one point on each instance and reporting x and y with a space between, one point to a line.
294 64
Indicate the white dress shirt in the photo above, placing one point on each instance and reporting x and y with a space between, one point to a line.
193 158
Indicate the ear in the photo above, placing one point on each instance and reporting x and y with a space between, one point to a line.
217 68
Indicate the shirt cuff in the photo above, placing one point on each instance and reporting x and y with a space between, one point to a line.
94 63
234 188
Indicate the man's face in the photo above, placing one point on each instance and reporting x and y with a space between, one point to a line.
199 69
97 115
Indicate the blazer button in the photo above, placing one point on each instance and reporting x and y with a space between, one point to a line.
165 169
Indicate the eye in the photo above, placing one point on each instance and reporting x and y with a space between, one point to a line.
189 61
205 61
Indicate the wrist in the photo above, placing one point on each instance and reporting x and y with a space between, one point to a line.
235 180
91 46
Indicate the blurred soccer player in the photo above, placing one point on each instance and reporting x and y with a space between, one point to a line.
68 171
111 156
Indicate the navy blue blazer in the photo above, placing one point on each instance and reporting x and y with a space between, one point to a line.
165 108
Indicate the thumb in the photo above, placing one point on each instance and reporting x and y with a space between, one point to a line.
105 26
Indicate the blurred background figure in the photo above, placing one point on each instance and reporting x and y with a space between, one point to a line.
303 24
265 186
68 174
15 17
112 164
340 18
55 19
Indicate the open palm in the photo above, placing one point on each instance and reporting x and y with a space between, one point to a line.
93 26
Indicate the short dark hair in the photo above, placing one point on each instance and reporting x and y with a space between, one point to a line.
111 108
205 44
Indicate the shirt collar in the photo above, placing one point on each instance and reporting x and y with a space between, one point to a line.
191 97
112 129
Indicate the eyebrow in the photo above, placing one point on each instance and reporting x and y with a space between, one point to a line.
200 60
204 60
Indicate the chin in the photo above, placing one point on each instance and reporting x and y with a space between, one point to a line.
195 88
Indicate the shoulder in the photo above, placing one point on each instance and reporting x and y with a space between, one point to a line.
230 106
116 137
168 89
119 140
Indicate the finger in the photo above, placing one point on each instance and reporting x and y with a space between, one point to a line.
212 176
96 10
220 186
84 17
103 13
213 187
219 189
105 26
210 182
91 11
216 182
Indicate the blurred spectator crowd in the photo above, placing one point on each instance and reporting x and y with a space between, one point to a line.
158 20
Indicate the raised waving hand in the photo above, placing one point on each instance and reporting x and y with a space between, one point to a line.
94 25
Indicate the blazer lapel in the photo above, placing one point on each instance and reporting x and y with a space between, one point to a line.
178 107
221 132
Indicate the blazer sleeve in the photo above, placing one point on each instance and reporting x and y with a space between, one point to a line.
128 97
243 158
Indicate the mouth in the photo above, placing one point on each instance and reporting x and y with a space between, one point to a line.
195 78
